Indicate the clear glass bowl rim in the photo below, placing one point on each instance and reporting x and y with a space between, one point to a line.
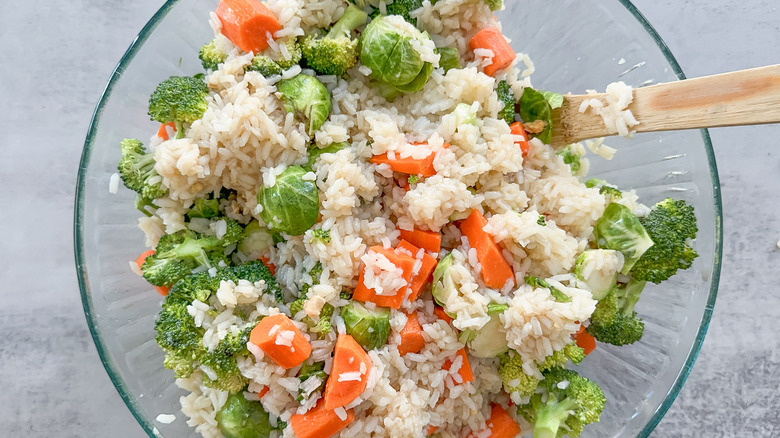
82 275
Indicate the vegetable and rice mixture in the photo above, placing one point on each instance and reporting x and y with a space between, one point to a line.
359 229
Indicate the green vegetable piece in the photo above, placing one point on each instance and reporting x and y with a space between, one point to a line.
320 235
610 192
464 115
516 381
291 206
210 56
563 404
387 49
554 99
412 179
560 358
571 158
507 97
222 361
177 254
204 208
136 168
598 268
306 97
242 418
312 370
256 240
179 99
542 220
449 58
495 5
670 224
404 8
620 230
443 284
614 321
495 308
556 293
490 340
370 328
594 182
336 52
534 106
315 152
264 65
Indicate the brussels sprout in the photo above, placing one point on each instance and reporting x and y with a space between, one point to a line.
490 340
449 58
370 328
291 206
204 208
598 268
620 230
305 96
315 152
387 49
256 240
241 418
443 284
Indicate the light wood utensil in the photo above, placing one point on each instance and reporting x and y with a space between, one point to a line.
746 97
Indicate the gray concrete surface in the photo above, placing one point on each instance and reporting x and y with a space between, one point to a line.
55 58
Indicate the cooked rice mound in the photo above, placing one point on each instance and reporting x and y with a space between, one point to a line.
245 140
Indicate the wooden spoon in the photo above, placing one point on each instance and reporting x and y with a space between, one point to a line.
746 97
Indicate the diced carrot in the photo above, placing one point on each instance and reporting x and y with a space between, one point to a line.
585 340
428 240
465 369
263 391
496 271
281 340
441 314
349 361
517 129
431 429
500 423
400 260
247 23
267 262
412 340
410 166
320 422
162 290
162 132
491 39
422 276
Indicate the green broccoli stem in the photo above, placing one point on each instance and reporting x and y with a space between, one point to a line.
550 415
633 292
352 19
179 129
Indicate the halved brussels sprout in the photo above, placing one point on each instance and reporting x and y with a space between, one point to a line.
599 268
620 230
370 328
292 205
305 96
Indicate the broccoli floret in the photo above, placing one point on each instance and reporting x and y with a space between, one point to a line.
179 99
136 169
614 321
507 97
322 326
204 208
404 8
242 418
294 49
556 293
610 192
542 220
180 253
311 370
336 52
143 204
264 65
234 232
670 224
222 361
210 56
179 337
320 235
563 405
559 359
516 381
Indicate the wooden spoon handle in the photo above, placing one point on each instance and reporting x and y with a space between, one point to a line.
746 97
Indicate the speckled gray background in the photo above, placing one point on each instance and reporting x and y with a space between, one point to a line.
55 58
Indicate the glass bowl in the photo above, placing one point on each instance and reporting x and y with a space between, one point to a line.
577 44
